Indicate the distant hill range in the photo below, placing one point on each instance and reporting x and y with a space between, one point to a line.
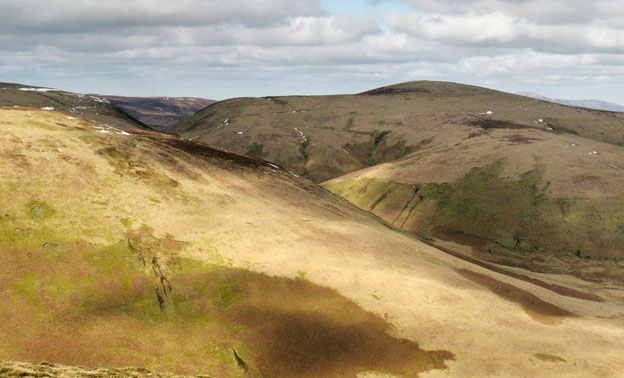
76 105
591 104
159 112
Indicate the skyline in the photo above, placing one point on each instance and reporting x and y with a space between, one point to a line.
560 49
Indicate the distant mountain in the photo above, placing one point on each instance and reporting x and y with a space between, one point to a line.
590 104
160 112
324 137
76 105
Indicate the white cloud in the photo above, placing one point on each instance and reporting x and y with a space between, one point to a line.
84 15
498 29
265 47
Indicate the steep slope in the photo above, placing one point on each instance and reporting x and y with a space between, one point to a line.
74 104
138 249
515 195
159 113
323 137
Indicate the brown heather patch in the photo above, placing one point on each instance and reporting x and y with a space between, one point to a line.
519 139
547 357
561 290
541 311
487 124
304 330
76 303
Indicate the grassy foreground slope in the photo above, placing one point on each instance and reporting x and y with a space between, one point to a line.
74 104
141 250
323 137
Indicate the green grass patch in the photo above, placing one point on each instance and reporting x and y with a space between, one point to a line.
39 211
511 218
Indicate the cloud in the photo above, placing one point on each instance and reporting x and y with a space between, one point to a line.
119 25
550 12
266 47
89 15
503 30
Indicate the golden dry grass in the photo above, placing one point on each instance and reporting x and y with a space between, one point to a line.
97 225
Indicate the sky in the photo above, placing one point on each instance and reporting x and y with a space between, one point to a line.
571 49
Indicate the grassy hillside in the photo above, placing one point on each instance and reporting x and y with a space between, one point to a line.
141 250
514 194
74 104
546 201
323 137
516 178
159 113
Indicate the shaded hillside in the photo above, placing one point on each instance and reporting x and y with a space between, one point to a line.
323 137
159 113
146 251
74 104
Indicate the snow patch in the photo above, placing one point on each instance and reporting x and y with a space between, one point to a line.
97 99
239 133
304 138
36 89
593 153
293 173
48 108
489 112
72 117
107 129
224 123
273 165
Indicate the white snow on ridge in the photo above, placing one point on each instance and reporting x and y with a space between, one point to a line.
36 89
489 112
97 99
48 108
